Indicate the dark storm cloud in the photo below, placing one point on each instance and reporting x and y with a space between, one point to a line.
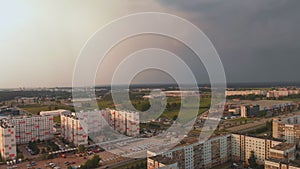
257 40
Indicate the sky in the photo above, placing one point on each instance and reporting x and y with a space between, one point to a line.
257 41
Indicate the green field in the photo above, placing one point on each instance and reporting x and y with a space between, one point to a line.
171 110
36 108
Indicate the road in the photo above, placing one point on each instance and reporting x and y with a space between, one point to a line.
257 124
118 164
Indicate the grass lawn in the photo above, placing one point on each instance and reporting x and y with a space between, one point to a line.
36 108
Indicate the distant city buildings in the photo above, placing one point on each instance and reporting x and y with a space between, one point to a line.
277 94
174 93
287 128
281 92
244 92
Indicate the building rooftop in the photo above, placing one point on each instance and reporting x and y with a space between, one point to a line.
260 137
283 146
163 159
4 123
285 161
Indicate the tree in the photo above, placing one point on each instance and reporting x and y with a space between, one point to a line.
44 151
252 160
175 117
91 163
81 148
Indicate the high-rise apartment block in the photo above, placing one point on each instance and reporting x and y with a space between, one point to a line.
32 128
287 128
195 154
219 150
72 130
243 146
77 126
8 148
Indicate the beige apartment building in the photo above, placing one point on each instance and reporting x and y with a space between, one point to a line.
193 154
282 156
243 145
287 128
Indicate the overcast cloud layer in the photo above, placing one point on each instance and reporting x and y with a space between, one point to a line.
257 40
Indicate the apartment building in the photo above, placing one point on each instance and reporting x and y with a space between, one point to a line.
31 128
243 145
77 126
192 154
277 94
282 156
8 149
125 122
72 130
283 151
249 110
244 92
287 128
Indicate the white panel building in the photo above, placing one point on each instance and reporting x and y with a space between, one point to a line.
72 130
31 128
8 149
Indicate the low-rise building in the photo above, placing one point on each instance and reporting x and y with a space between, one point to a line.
281 164
54 113
161 162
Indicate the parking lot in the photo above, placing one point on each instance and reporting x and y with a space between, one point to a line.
73 160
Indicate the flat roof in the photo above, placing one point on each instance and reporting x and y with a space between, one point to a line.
163 159
283 146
